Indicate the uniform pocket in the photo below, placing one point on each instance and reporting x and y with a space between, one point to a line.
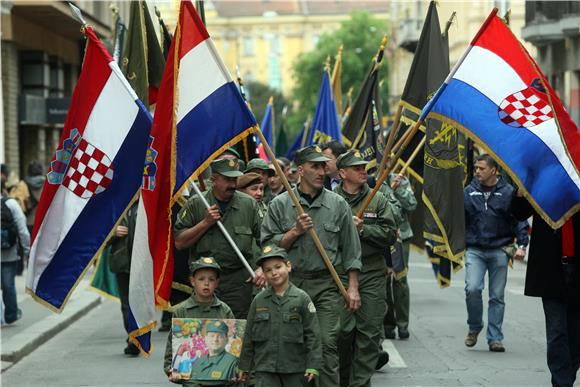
330 236
261 326
244 237
292 330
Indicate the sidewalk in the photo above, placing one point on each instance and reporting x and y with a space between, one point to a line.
38 324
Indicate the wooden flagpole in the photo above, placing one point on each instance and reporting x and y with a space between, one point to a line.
300 211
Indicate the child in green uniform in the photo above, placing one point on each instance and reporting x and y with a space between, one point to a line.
282 339
203 304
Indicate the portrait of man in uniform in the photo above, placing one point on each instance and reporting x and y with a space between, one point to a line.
207 349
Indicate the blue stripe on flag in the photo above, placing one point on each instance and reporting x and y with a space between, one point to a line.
225 112
521 150
98 217
145 339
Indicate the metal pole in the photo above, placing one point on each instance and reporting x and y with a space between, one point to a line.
225 232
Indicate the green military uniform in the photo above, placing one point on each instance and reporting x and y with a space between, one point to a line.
398 295
333 223
359 342
218 368
241 220
282 339
190 308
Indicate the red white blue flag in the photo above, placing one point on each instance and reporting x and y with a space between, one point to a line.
200 113
498 96
93 177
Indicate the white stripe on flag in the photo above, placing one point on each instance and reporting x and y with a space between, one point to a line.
199 77
141 291
496 79
110 120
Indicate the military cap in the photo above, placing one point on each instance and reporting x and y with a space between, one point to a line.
258 163
217 326
232 152
204 263
351 158
248 179
311 153
226 167
271 251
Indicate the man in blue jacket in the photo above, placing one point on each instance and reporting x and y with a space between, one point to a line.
490 228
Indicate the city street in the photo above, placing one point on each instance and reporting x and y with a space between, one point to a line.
89 352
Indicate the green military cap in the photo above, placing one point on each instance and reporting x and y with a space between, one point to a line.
204 263
258 163
231 151
311 153
350 159
226 167
271 251
217 326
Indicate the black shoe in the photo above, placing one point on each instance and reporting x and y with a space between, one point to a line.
131 350
390 334
18 316
403 333
382 360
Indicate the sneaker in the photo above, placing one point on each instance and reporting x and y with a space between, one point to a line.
382 360
131 350
471 338
390 334
496 346
403 333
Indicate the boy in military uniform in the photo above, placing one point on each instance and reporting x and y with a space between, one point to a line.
359 343
262 168
203 304
196 229
282 339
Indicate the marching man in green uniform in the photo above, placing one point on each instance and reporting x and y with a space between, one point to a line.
330 216
196 229
203 304
359 342
282 339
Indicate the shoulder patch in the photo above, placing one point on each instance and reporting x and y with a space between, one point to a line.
216 374
311 307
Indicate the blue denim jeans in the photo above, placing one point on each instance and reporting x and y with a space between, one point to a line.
478 261
7 276
563 339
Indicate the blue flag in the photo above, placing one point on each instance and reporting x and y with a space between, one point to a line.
267 122
297 144
325 125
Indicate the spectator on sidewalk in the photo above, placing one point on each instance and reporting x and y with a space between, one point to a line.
490 228
15 243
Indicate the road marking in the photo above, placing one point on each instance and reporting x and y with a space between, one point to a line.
395 359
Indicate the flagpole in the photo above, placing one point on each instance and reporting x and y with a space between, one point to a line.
390 166
271 102
225 232
390 140
300 210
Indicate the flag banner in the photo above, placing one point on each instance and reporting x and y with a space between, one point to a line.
362 128
325 126
297 143
267 129
104 280
93 177
281 137
498 96
200 113
336 80
143 59
118 38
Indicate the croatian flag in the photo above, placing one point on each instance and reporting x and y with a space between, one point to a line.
199 114
267 129
497 94
93 177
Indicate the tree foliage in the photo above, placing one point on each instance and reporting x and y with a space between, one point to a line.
361 36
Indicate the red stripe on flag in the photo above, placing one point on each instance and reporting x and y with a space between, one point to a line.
192 29
94 75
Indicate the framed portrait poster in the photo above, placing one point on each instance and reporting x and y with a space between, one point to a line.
206 349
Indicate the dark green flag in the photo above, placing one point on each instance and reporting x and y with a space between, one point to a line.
281 137
444 161
143 60
362 128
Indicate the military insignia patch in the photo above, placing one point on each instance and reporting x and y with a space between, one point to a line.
267 249
216 374
357 154
317 148
232 163
371 215
208 260
311 308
